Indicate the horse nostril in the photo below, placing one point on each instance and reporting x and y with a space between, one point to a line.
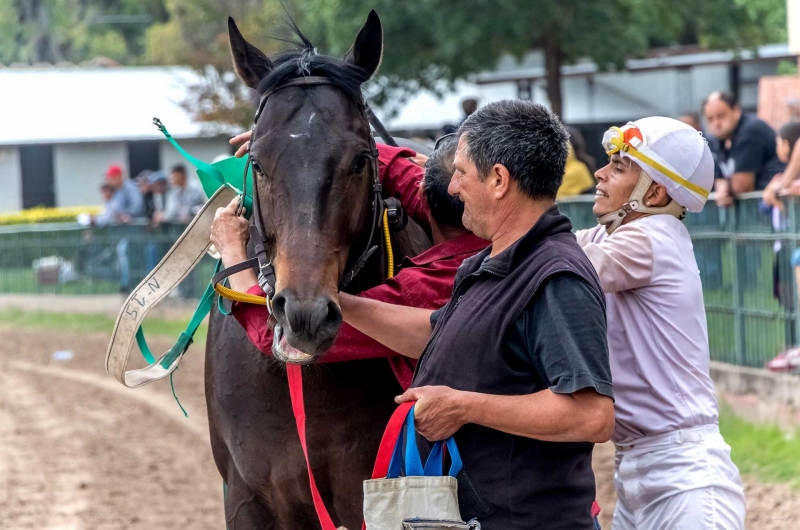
334 316
279 307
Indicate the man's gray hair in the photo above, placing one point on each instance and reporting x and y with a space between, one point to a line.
526 138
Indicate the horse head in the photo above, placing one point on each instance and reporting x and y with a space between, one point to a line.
313 162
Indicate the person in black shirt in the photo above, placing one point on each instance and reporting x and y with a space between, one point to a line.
743 148
515 367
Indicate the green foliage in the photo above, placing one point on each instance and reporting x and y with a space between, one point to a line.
787 68
76 30
431 40
428 43
763 451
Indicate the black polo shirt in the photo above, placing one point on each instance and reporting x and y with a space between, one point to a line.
557 338
752 151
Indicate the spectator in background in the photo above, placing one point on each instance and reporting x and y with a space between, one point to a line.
153 185
692 119
743 148
788 151
469 106
579 169
158 187
183 199
126 200
123 203
108 215
143 183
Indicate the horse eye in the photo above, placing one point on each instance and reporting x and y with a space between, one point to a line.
360 163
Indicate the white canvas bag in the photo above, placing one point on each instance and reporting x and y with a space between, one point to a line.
423 497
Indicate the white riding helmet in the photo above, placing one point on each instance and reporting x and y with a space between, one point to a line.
670 153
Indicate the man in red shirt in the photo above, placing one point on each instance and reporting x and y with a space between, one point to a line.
424 281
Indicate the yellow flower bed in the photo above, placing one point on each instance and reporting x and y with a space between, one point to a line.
47 215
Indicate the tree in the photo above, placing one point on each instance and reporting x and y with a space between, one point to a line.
52 31
427 41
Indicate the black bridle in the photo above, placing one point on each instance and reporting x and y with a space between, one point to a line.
262 261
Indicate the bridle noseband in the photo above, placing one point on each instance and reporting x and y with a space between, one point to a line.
266 270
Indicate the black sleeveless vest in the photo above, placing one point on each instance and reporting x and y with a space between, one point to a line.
510 482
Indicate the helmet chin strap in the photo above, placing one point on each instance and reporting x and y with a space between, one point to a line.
635 203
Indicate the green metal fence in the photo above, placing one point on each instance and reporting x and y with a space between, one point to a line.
744 262
66 258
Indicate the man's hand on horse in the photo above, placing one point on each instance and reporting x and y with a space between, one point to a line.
243 139
439 411
229 232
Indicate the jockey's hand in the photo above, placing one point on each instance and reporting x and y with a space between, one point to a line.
439 411
238 139
229 234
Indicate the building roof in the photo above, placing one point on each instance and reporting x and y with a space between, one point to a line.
74 104
51 104
532 65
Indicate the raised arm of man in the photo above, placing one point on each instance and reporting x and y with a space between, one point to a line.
403 329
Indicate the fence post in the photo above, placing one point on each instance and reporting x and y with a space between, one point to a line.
731 228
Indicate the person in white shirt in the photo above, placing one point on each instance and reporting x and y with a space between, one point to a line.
184 199
673 468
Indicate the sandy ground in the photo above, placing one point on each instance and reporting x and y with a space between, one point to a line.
79 451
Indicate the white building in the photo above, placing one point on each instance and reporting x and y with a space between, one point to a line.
60 128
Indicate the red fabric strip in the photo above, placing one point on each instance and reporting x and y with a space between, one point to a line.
389 440
295 376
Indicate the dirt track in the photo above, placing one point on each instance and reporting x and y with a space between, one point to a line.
78 451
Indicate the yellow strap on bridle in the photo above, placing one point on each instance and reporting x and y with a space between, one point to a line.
236 296
387 235
247 298
620 145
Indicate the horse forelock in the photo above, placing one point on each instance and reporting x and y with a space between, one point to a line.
306 61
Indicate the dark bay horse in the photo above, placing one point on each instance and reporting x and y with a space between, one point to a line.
311 165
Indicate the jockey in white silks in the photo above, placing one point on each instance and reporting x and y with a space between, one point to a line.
673 468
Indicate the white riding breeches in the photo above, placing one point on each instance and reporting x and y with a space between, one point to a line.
681 480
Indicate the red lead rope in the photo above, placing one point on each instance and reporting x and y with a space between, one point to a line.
295 375
390 437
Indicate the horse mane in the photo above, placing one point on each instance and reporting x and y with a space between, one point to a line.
306 61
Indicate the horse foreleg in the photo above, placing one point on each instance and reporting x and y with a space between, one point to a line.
244 510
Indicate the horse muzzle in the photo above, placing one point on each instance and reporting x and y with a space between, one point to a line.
305 328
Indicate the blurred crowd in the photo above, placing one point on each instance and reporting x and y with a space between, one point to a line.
151 198
749 155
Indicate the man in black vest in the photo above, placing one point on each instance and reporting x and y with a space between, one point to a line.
515 366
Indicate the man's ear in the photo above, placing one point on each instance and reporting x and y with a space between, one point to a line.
656 196
500 181
367 51
250 63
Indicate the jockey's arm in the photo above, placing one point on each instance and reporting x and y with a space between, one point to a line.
623 261
405 330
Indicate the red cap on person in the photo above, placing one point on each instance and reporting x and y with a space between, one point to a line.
114 170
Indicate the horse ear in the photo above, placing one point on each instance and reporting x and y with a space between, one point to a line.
367 50
249 62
